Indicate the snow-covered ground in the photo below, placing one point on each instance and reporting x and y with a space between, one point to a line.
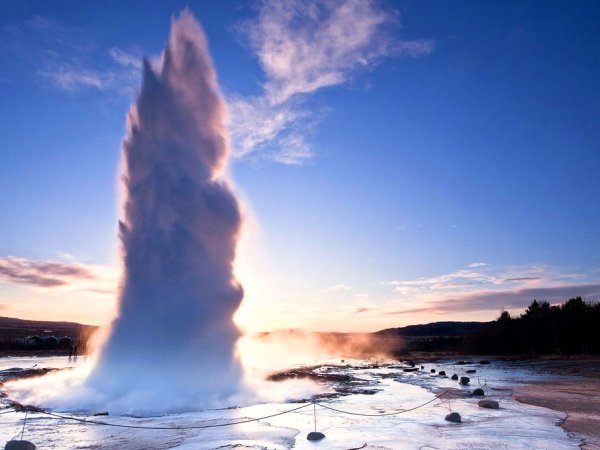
513 426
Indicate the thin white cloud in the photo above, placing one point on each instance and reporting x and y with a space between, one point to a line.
254 122
495 300
339 287
459 279
64 57
70 77
66 255
477 264
487 288
302 47
125 59
293 150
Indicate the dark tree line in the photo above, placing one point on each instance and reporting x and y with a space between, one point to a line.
567 329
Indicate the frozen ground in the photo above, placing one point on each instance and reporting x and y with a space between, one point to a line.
513 426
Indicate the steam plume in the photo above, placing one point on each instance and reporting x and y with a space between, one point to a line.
171 347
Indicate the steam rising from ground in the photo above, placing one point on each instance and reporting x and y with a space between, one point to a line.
265 353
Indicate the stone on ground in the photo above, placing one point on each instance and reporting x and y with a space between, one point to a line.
315 436
453 417
489 404
19 445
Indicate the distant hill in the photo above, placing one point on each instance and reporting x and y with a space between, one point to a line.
437 329
436 336
11 327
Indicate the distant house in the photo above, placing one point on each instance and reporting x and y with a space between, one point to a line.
50 341
65 342
45 342
32 341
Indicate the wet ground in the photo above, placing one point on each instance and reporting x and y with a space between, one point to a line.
366 404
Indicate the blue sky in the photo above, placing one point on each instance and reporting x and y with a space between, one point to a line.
438 162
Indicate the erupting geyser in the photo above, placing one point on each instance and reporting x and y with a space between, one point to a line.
171 348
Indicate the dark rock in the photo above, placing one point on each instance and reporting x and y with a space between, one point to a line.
315 436
471 371
24 408
422 367
464 380
454 377
478 392
410 369
19 445
312 373
101 413
442 373
460 363
453 417
484 361
432 370
489 404
389 375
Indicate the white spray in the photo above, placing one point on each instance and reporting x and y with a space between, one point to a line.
172 345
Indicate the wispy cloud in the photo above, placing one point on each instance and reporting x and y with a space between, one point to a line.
481 287
294 150
70 77
40 273
339 287
305 46
57 274
512 298
459 279
64 57
302 47
125 59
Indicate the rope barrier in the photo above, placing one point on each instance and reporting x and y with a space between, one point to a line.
197 427
6 412
191 427
24 423
390 413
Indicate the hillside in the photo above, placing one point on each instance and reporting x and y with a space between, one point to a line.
437 329
11 328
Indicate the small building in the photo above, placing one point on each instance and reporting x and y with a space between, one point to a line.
65 342
51 341
33 341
